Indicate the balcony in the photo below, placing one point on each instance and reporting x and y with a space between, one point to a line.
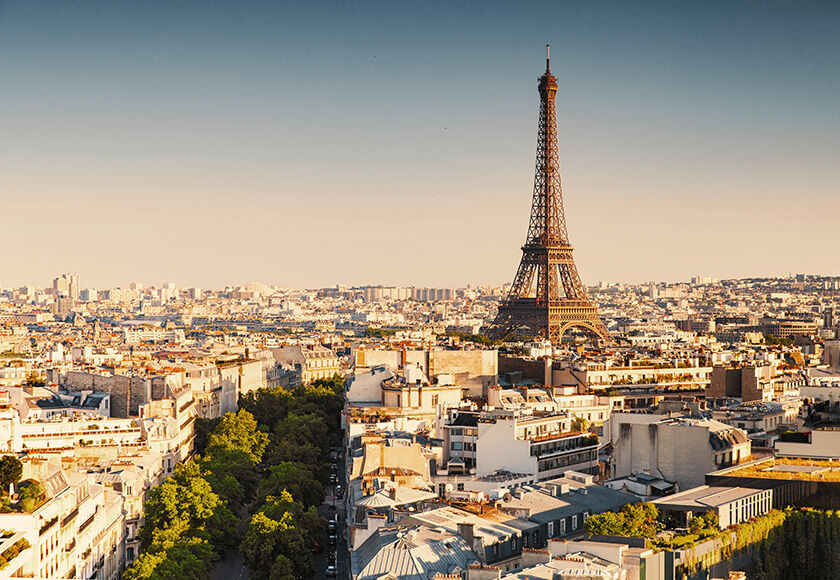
87 522
563 446
69 517
47 525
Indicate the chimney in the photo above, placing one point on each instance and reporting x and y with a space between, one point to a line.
392 493
547 372
467 531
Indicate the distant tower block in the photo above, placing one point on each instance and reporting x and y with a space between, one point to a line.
547 297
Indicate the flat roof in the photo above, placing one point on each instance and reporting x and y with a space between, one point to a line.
787 468
705 497
811 469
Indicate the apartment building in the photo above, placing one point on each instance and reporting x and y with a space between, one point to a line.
314 363
590 407
76 531
681 449
524 442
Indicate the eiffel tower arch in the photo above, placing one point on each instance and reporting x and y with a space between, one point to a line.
547 297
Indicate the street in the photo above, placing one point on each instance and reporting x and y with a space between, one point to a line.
340 548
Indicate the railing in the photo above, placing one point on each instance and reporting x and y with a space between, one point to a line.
69 517
48 525
554 435
91 432
87 523
187 422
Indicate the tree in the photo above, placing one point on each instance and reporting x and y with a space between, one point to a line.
11 470
267 405
306 453
696 524
297 479
605 524
173 557
239 432
278 539
231 473
29 492
187 504
303 429
34 380
203 429
634 520
580 425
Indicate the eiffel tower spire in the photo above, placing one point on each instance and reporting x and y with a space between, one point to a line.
547 296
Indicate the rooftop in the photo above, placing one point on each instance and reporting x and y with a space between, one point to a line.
703 497
789 468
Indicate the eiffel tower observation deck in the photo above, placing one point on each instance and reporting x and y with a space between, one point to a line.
547 297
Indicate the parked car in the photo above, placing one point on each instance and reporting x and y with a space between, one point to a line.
333 539
332 571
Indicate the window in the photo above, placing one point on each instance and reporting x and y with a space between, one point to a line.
434 400
550 529
563 526
457 446
457 432
574 522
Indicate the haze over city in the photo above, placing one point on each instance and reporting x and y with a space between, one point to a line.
428 291
216 143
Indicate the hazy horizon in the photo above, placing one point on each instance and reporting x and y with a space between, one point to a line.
233 284
306 146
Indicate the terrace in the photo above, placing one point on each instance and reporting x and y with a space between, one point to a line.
790 468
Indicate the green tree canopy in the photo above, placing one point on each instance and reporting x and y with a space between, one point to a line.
239 432
203 429
634 520
11 470
279 538
303 429
186 502
173 556
297 479
231 474
268 405
29 492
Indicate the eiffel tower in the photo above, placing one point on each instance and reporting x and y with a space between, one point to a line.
547 297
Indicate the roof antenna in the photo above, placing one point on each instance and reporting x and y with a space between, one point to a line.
547 57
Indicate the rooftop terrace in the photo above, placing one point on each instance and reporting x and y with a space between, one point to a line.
789 468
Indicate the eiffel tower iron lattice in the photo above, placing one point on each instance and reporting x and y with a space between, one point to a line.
547 297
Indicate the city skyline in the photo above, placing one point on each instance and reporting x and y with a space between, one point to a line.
141 285
308 147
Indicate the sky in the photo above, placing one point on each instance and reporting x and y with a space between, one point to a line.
314 143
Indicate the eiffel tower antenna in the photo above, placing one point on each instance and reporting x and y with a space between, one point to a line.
547 297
